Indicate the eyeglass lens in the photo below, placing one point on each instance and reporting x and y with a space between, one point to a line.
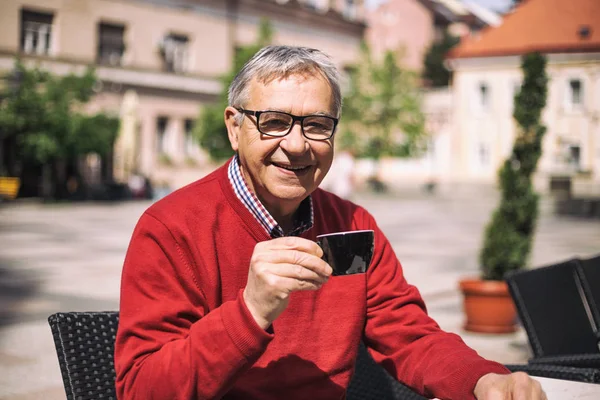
278 124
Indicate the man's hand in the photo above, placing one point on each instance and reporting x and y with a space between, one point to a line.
516 386
279 267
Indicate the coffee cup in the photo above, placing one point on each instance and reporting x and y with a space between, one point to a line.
348 252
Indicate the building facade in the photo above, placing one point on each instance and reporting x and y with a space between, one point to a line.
409 27
487 76
485 129
166 56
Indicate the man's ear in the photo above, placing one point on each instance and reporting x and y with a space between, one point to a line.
233 127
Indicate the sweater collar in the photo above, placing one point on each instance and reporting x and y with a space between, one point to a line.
304 217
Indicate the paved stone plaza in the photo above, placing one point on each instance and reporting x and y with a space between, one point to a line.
68 257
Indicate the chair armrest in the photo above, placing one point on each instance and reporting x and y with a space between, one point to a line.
589 375
570 360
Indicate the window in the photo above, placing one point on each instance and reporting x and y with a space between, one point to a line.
481 98
110 44
575 96
317 5
350 9
431 148
484 97
161 135
174 49
36 32
189 143
574 156
484 154
312 4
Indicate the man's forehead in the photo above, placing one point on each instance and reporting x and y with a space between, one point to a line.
299 76
261 97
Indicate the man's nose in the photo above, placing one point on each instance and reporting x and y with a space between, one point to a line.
295 142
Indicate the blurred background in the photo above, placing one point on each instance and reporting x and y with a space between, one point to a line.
108 105
137 89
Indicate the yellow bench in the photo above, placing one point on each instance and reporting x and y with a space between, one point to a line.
9 187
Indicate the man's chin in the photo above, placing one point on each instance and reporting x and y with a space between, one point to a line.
291 194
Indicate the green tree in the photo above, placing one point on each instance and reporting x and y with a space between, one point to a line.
382 109
44 122
435 72
509 235
210 127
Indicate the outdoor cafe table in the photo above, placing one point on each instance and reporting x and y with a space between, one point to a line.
557 389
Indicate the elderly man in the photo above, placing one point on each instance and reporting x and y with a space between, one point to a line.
225 295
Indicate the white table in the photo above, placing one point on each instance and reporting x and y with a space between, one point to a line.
557 389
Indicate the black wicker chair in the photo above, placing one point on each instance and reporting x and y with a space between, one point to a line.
589 273
85 343
371 381
85 347
555 312
589 375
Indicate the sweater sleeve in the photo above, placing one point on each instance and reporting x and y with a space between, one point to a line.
169 344
407 342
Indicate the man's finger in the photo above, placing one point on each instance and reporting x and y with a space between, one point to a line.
296 271
289 285
524 388
294 243
297 257
495 394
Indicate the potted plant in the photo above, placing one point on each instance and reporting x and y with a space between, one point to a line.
509 234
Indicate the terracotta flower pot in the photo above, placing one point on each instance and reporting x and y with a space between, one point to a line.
488 306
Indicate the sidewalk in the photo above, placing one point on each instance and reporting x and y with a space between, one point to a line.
69 257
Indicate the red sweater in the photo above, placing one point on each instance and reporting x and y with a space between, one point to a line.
185 332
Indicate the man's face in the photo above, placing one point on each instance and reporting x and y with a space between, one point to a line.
282 171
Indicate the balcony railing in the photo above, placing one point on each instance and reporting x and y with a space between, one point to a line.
124 76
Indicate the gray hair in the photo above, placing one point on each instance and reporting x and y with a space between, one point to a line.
280 62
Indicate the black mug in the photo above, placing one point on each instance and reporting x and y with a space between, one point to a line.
347 252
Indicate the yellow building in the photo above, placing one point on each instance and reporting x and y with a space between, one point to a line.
166 55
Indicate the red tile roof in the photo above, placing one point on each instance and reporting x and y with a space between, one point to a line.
547 26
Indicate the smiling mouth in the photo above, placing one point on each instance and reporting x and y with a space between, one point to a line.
293 168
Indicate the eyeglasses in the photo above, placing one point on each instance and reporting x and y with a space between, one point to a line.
279 124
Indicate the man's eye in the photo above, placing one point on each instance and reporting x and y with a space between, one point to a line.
273 123
318 125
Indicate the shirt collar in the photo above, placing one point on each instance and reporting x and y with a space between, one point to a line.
304 217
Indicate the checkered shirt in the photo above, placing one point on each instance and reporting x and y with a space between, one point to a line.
304 218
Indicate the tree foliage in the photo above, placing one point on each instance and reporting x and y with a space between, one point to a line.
210 129
435 72
44 115
509 235
382 109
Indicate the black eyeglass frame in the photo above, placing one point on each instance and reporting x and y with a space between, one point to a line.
295 118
